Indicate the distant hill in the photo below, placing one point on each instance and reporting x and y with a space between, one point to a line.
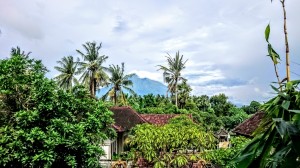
142 86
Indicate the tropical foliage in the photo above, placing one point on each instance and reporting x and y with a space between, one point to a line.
223 157
67 69
200 107
172 73
167 145
118 80
93 74
253 107
276 142
44 126
61 123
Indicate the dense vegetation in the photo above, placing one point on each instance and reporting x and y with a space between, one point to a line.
212 113
155 142
48 123
276 142
61 123
44 126
180 142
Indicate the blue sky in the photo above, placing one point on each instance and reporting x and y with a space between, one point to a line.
222 40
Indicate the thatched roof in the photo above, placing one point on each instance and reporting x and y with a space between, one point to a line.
247 127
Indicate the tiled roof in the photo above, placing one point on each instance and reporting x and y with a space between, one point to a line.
247 127
159 119
126 118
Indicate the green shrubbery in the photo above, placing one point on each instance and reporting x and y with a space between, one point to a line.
44 126
168 144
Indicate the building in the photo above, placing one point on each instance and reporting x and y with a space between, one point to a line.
248 127
125 119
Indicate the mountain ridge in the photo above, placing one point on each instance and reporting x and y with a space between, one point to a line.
141 86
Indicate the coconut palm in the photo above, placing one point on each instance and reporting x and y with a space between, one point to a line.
172 73
91 67
17 51
68 69
117 82
184 91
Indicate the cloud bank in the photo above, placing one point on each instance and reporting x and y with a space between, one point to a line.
222 40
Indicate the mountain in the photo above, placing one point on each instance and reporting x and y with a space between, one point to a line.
142 86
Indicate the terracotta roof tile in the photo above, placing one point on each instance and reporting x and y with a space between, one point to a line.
159 119
247 127
126 118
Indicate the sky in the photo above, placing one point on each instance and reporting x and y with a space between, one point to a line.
223 41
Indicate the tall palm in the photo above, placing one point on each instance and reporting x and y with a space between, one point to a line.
17 51
172 73
184 91
68 69
117 82
91 67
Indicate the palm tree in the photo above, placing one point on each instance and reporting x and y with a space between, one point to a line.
17 51
184 91
117 82
93 74
68 69
172 73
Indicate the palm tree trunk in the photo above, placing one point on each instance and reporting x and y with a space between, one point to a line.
92 86
287 50
115 96
176 95
95 87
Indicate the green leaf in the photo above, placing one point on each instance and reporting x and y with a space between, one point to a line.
247 155
245 160
267 32
281 126
273 54
286 104
294 132
295 82
295 111
289 85
274 88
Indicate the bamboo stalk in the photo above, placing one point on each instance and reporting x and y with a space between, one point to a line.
287 50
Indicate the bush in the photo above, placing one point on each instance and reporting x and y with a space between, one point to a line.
45 126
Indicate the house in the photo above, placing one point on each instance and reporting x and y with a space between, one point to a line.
125 119
248 127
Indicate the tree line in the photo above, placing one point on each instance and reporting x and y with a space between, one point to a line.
92 73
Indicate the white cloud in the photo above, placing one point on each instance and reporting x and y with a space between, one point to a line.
223 40
151 75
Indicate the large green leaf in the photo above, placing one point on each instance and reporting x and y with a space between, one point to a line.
294 133
295 111
285 104
267 32
281 126
247 155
